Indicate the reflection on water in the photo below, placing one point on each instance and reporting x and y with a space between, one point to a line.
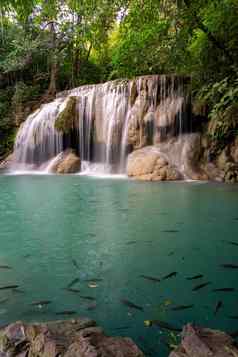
55 229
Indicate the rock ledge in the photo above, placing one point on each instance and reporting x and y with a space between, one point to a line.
71 338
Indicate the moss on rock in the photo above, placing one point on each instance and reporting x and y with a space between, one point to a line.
65 120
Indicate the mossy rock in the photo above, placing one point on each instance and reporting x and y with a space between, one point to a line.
66 119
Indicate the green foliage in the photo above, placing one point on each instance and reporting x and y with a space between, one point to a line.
48 46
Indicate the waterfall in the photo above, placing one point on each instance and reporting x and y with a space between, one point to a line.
37 140
111 120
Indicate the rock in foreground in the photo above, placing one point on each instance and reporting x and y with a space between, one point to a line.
204 342
74 338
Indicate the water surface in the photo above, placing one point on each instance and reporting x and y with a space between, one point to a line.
54 229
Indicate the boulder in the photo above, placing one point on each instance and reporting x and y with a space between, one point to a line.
204 342
66 163
79 337
148 164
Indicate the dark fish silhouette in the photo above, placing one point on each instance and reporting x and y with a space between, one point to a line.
174 273
198 287
131 305
224 290
92 280
131 242
121 328
66 313
72 283
181 307
171 253
5 267
41 303
87 297
195 277
75 264
72 290
92 306
164 325
9 287
218 307
230 242
151 278
233 317
230 266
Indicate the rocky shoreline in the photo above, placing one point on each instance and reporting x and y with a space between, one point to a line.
83 338
69 338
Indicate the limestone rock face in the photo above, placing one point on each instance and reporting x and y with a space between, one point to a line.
148 164
73 338
204 342
66 163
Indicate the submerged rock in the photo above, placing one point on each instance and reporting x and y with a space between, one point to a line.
72 338
66 163
204 342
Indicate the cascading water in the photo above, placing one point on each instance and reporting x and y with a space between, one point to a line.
112 119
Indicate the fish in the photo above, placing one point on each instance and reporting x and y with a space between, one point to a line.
41 303
174 273
181 307
92 306
75 264
235 317
92 284
171 253
5 267
224 290
230 266
198 287
199 276
73 282
121 328
94 280
218 307
131 242
131 305
230 242
151 278
87 297
72 290
161 324
66 313
171 231
7 287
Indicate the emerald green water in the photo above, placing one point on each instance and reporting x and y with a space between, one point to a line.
116 231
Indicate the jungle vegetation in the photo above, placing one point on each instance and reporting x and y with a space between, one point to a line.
51 45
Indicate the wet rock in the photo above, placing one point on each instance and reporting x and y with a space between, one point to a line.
72 338
148 164
203 342
231 173
67 163
67 118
